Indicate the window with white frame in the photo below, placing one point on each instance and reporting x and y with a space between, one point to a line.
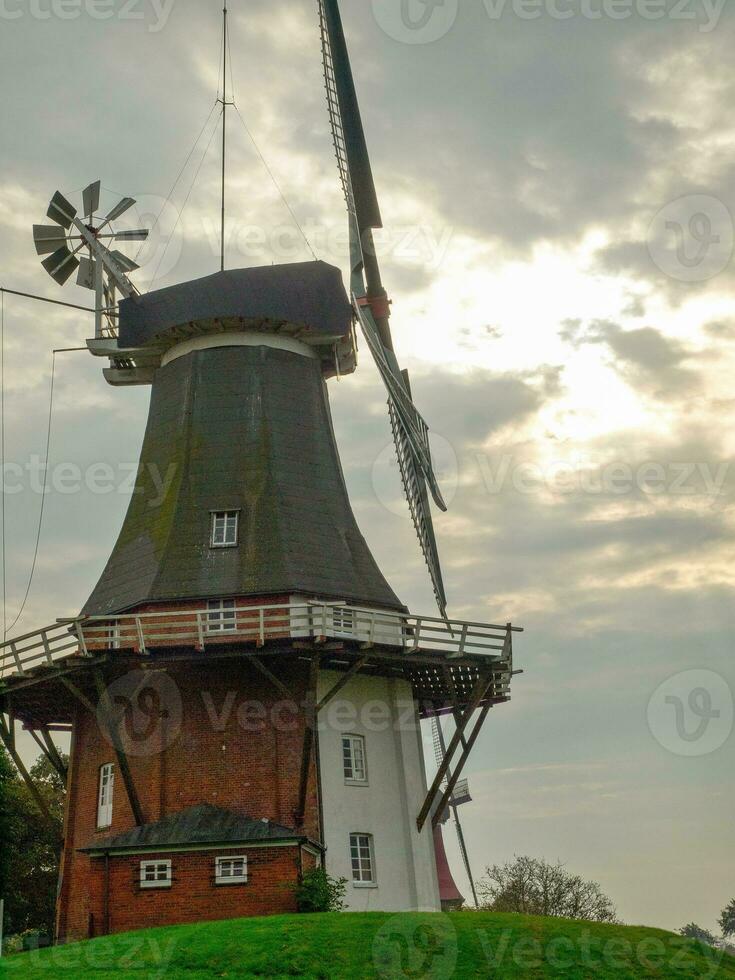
354 759
362 856
343 620
225 526
231 870
104 798
221 617
155 874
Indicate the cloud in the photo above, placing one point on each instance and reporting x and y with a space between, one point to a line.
644 356
543 335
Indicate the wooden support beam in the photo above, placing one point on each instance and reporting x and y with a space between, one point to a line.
38 742
271 676
50 752
310 718
478 692
342 682
317 644
122 759
11 725
54 756
79 695
453 779
8 738
453 692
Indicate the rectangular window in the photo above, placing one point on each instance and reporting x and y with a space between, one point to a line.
104 800
354 759
362 855
231 870
155 874
343 620
224 528
222 617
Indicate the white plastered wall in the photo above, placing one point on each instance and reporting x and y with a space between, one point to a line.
382 710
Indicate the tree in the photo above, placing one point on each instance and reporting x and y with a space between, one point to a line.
536 887
693 931
7 779
29 866
726 921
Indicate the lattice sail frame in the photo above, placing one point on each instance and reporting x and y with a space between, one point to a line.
410 431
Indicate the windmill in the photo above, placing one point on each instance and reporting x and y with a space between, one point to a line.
369 298
240 567
103 271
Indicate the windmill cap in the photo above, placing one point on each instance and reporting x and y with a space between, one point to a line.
306 299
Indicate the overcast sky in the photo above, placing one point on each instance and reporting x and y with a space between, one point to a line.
557 181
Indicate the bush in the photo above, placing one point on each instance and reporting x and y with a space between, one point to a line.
318 892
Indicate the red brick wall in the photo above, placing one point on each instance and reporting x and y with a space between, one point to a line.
193 895
253 770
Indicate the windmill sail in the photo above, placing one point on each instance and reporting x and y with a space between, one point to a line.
410 432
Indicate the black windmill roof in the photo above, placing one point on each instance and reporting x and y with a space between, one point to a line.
307 294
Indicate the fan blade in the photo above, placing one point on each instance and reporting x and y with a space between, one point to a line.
138 235
120 208
61 264
61 211
87 273
48 238
91 199
127 264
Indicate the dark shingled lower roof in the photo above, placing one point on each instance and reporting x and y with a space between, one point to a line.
202 824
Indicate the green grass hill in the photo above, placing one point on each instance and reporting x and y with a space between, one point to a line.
416 946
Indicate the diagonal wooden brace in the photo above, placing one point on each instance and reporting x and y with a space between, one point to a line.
454 777
105 709
478 692
310 720
342 682
7 736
